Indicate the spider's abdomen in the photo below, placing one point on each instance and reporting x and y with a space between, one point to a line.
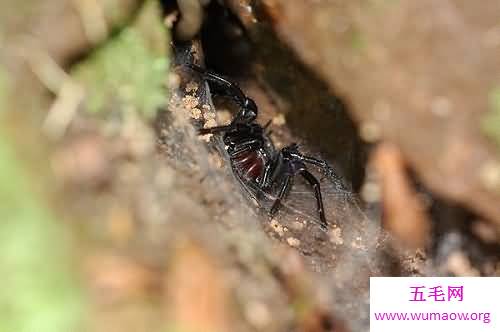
249 164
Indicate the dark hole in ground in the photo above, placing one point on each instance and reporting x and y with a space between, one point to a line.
314 115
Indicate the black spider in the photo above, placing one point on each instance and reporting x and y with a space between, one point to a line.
253 156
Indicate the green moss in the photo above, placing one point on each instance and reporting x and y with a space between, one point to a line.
358 41
491 122
130 70
39 292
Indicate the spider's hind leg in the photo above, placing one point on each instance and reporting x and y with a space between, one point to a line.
309 177
327 169
285 186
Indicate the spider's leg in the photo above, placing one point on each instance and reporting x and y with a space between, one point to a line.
268 176
227 87
214 130
266 129
285 186
316 162
245 146
325 167
268 123
264 180
317 192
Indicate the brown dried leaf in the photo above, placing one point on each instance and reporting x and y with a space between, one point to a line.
404 212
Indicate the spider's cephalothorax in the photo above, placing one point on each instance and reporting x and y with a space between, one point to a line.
252 153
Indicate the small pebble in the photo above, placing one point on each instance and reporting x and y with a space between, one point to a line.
196 113
190 101
293 242
210 123
370 131
191 87
277 227
336 236
279 120
490 175
297 225
258 314
371 192
441 106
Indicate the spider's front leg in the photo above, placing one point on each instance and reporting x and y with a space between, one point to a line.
225 86
214 130
248 109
